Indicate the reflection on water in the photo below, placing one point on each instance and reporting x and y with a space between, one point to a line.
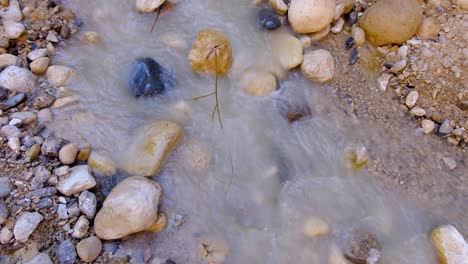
283 173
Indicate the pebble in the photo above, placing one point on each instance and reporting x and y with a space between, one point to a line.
36 54
337 27
318 65
147 6
149 78
10 131
101 164
411 99
445 128
66 253
52 37
59 75
428 126
258 83
45 203
349 43
398 66
67 153
12 29
41 175
12 101
174 40
5 187
62 212
43 192
159 225
43 100
308 16
12 12
5 235
14 144
18 79
51 147
40 65
7 60
315 227
417 111
26 117
268 19
41 258
428 28
450 245
351 18
87 204
91 37
280 6
79 180
26 224
383 80
3 213
81 227
359 36
45 116
206 41
354 56
83 153
362 247
450 163
89 249
288 49
15 122
132 206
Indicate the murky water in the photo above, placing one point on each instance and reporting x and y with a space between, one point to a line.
282 173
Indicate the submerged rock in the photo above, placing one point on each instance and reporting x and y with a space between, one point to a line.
391 21
318 65
131 207
208 46
362 247
258 82
148 78
288 49
450 245
147 6
268 19
308 16
151 147
59 75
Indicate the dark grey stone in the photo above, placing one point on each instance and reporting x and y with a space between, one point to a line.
66 253
44 192
268 19
148 78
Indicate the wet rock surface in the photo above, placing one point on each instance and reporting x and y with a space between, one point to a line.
361 247
148 78
268 19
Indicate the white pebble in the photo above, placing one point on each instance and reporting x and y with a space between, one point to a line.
411 99
417 111
428 126
450 163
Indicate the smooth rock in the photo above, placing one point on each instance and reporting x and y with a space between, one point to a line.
12 12
40 65
211 53
66 253
445 128
52 37
308 16
41 258
101 164
14 144
318 65
151 146
12 29
132 206
362 248
67 153
26 224
343 7
391 21
450 163
147 6
26 117
268 19
159 225
288 49
428 126
428 28
258 82
59 75
315 227
79 180
81 227
3 213
87 203
36 54
10 131
450 245
148 78
12 101
279 6
319 35
83 153
45 116
411 99
359 36
417 111
91 37
5 186
7 60
89 249
51 147
337 27
5 235
64 101
18 79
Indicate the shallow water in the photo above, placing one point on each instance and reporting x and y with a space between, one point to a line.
282 173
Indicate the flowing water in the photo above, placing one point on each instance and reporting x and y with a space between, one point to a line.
266 178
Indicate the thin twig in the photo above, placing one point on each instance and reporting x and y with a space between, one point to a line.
232 174
157 16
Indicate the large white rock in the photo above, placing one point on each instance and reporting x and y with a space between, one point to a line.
7 60
450 245
318 65
18 79
26 224
308 16
131 207
12 12
288 50
12 29
59 75
80 179
151 147
148 5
